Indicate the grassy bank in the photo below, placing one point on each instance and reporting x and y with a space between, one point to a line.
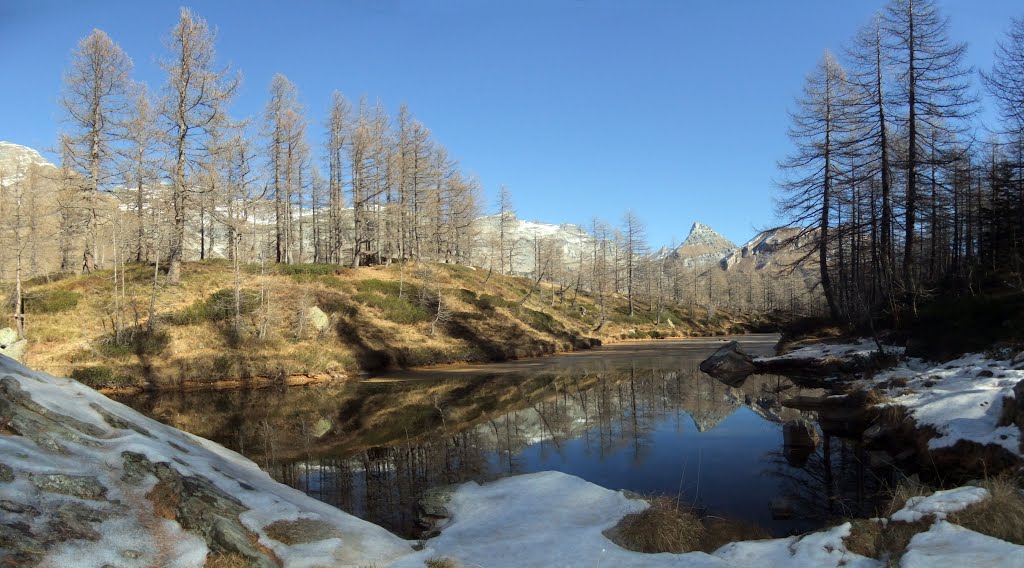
376 318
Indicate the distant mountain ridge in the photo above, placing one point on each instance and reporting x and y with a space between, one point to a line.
703 247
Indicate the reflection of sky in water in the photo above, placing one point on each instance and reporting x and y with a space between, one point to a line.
722 469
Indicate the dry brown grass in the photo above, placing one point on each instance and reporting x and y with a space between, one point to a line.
165 500
201 350
441 562
226 561
664 526
869 538
723 531
1001 515
902 493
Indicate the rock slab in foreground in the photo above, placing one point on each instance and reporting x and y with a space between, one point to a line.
85 481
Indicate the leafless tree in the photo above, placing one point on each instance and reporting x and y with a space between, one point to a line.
95 100
195 98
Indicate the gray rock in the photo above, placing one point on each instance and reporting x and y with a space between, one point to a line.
729 364
82 486
1018 403
15 350
6 473
432 509
116 422
800 433
7 337
18 508
1018 359
68 527
319 320
199 506
19 546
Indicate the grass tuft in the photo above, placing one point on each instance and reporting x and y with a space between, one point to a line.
231 560
1001 515
664 526
441 562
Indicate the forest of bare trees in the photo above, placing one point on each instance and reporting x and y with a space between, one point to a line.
168 175
910 194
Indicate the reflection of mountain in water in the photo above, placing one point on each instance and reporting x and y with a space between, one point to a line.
372 449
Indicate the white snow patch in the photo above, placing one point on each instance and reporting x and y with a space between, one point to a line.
555 519
946 544
860 348
939 504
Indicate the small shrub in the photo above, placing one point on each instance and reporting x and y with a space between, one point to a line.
100 377
489 302
383 295
306 269
219 306
134 342
539 320
333 302
52 301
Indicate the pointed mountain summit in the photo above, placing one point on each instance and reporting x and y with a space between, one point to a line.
704 246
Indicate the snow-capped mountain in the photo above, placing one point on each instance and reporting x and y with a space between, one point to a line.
15 160
523 238
774 248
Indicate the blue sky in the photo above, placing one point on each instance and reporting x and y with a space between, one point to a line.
582 108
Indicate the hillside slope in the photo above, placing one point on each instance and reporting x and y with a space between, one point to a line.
302 323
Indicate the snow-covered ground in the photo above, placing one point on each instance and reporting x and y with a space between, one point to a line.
555 519
821 351
961 399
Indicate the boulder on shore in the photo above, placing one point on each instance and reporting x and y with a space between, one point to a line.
730 364
10 345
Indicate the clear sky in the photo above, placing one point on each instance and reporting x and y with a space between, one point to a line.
582 108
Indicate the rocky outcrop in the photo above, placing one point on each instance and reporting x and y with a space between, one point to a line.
11 346
730 364
318 319
84 480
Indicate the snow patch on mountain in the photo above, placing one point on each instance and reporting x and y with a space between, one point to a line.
15 161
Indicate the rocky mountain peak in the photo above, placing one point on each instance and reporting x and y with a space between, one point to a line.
702 235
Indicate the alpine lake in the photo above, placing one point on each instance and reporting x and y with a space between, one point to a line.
636 416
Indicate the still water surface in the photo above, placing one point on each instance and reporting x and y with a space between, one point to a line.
640 417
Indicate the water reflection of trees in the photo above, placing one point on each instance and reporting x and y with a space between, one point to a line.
373 450
835 482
